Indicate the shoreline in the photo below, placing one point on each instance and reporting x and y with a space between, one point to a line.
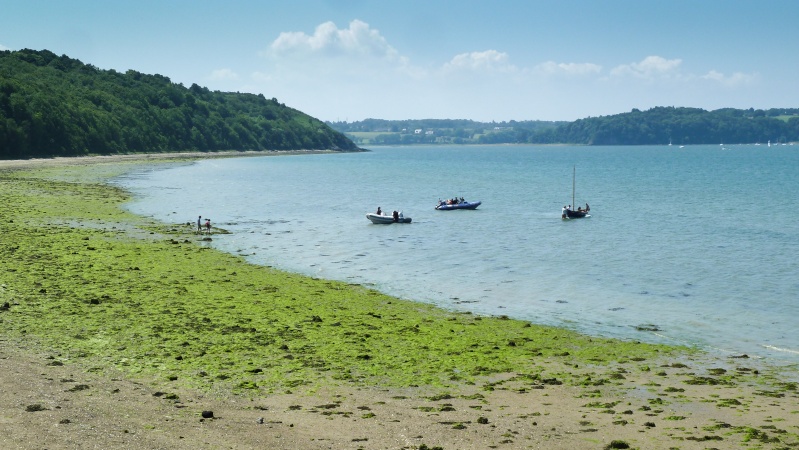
567 394
149 157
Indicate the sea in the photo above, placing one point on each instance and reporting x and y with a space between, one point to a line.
695 245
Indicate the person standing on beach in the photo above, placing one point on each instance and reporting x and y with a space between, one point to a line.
199 224
207 226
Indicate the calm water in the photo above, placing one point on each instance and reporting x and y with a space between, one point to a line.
699 242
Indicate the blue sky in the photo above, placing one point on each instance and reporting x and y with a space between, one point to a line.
412 59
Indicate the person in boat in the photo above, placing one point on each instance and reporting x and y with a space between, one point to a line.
579 209
587 208
563 212
396 216
379 211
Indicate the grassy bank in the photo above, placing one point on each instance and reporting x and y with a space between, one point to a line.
93 285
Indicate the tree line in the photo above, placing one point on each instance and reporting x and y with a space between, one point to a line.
656 126
447 131
683 126
54 105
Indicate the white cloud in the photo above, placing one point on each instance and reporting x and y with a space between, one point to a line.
736 79
224 74
571 69
3 48
354 72
486 60
650 67
328 40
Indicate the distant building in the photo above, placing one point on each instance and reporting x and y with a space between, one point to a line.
417 131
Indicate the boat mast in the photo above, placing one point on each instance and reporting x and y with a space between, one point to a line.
574 175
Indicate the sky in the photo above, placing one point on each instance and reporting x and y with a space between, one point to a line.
502 60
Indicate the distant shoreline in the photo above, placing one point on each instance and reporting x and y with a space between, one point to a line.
170 156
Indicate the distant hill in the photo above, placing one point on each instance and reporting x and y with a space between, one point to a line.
656 126
683 126
54 105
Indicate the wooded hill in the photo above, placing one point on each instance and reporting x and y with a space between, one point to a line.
683 126
656 126
54 105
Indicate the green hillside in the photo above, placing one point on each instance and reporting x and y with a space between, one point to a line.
684 126
54 105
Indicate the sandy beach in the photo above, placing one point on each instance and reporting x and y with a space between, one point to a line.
78 373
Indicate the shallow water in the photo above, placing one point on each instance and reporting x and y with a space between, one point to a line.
699 243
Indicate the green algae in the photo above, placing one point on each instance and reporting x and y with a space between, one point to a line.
91 282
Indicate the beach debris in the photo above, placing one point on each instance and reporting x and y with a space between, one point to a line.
617 444
78 387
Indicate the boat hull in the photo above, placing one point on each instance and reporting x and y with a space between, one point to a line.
386 220
462 205
576 214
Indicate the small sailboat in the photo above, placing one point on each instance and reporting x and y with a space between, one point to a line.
569 213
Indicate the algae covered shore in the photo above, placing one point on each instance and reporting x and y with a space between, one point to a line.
122 331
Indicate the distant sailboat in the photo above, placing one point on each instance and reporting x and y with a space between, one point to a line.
580 213
769 143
